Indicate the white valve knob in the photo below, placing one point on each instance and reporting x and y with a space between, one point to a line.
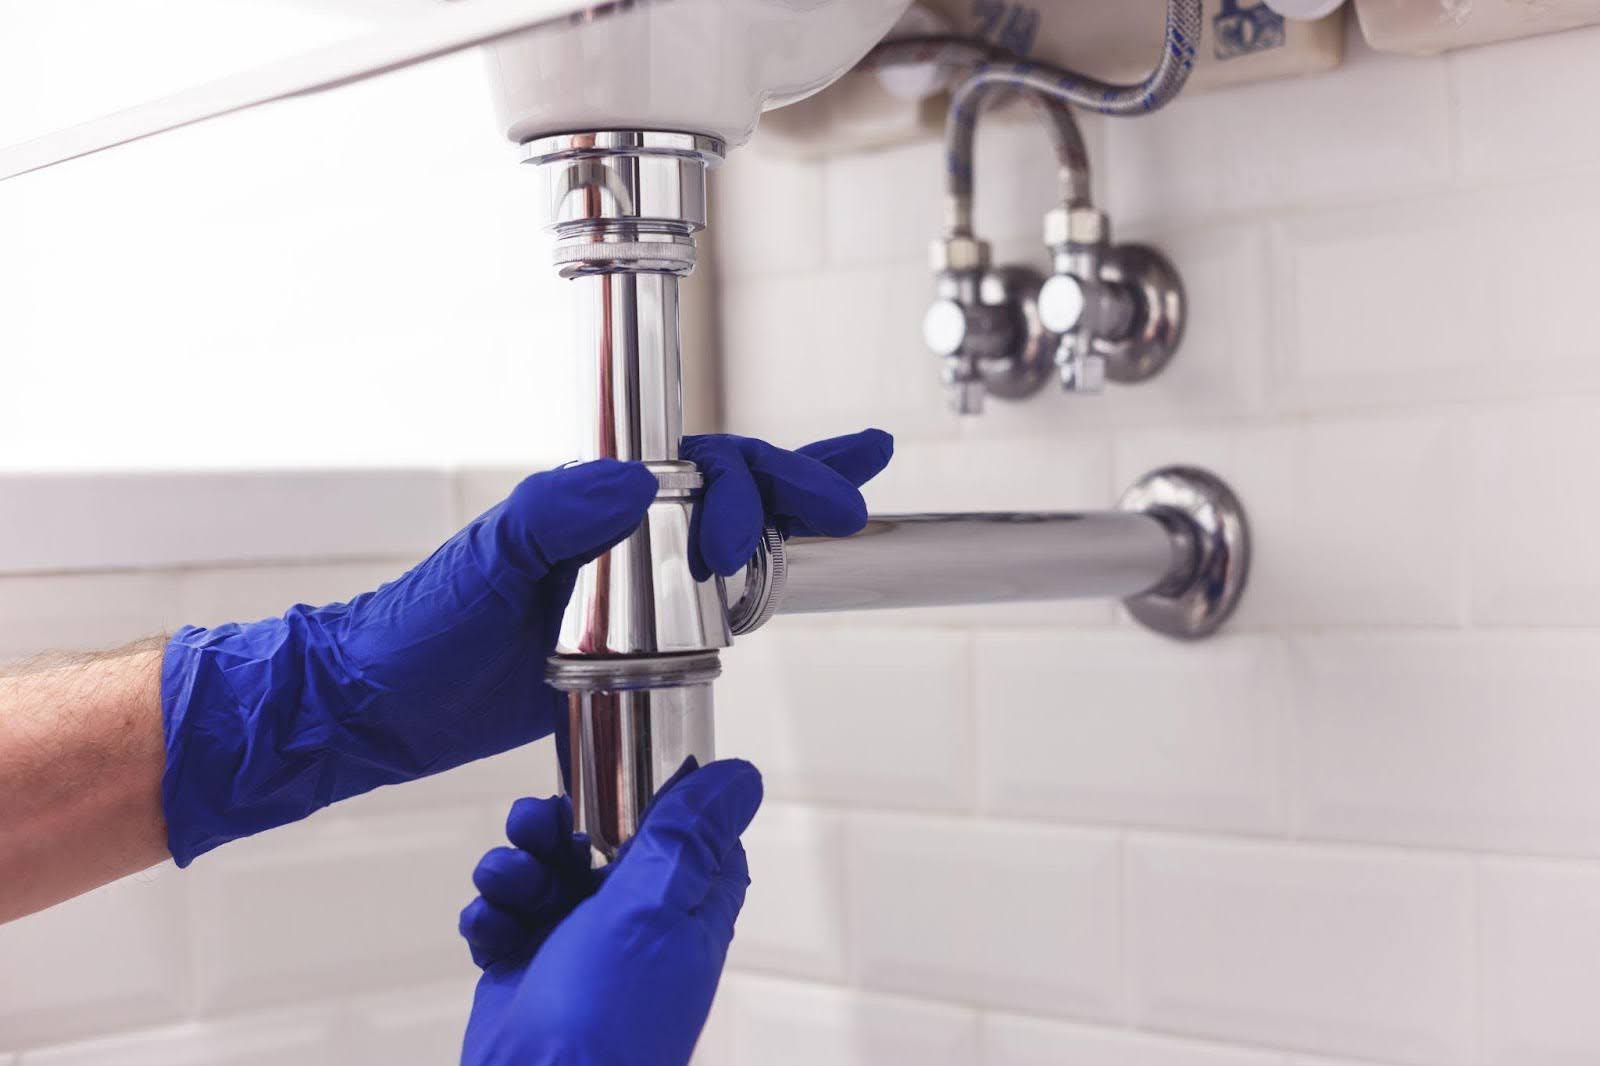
1061 303
944 327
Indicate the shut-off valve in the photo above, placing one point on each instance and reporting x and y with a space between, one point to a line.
1107 312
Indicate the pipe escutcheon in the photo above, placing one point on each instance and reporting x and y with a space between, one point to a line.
1199 599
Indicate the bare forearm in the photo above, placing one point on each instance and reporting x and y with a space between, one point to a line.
81 759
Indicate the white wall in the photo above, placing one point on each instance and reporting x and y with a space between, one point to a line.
353 278
1364 825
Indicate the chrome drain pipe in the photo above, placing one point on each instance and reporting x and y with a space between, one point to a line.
640 641
1177 554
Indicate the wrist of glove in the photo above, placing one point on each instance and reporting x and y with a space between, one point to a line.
268 721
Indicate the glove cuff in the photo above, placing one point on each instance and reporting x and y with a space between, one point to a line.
241 757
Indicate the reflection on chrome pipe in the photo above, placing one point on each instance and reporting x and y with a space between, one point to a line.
631 724
631 391
925 560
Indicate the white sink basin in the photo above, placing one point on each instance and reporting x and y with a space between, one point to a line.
695 66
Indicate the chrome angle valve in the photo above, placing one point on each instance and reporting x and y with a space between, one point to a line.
1107 312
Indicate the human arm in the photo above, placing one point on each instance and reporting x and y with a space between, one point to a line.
110 764
81 754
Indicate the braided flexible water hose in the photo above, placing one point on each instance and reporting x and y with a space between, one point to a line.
1064 87
1072 156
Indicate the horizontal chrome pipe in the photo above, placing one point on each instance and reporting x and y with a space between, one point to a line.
1177 554
930 560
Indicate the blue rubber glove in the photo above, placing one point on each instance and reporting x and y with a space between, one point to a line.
624 977
269 721
750 483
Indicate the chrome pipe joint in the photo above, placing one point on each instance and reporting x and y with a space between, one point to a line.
639 642
1108 312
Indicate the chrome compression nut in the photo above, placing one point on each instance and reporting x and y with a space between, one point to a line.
959 255
615 257
1076 225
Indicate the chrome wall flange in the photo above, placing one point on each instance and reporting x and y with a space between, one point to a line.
1201 506
1159 324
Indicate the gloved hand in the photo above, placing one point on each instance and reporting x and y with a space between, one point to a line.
750 483
624 977
269 721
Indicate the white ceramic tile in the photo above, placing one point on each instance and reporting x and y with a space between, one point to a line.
1530 559
1356 521
1120 727
333 906
784 354
305 1036
1384 305
214 595
769 216
496 782
79 612
1324 950
480 488
1540 960
715 1046
1542 349
1015 178
782 1023
1010 1040
884 206
1523 104
97 522
420 1026
793 917
819 712
811 356
1477 741
1376 126
114 958
997 474
1001 915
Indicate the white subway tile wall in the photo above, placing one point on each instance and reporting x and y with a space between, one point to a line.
1363 826
778 1022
